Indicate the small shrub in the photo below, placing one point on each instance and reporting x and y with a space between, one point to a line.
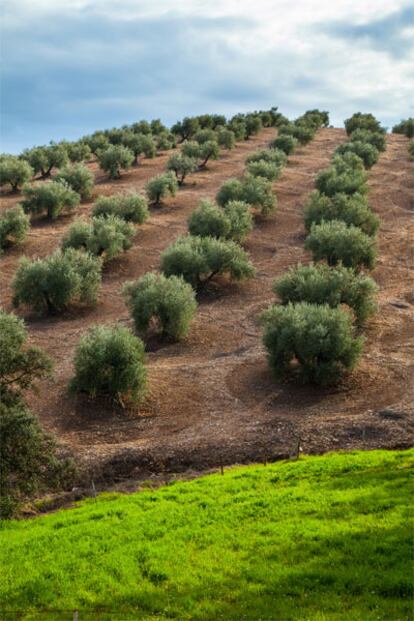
319 339
377 139
114 159
160 187
181 165
167 301
131 207
51 284
336 243
264 169
274 156
226 138
20 364
405 127
50 198
140 144
347 175
110 361
79 178
285 143
199 259
14 226
362 121
14 171
104 236
44 159
321 284
255 191
367 152
78 152
353 210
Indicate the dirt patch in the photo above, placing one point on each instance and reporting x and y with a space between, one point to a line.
212 398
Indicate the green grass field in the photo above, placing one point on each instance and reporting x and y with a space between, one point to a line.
325 538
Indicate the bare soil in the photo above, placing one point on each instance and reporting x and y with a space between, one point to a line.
212 398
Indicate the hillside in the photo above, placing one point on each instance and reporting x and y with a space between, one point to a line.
212 397
286 541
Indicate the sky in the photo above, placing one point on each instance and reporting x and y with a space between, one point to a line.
70 67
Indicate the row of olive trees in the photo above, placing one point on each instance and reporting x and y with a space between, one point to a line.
310 326
118 149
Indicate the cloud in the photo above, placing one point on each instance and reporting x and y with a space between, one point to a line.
79 65
391 34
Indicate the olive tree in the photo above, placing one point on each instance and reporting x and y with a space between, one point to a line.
97 142
376 139
21 364
160 187
14 171
114 159
226 138
256 191
167 302
186 128
79 178
78 152
234 222
286 143
319 339
346 174
335 242
264 169
44 159
109 361
366 151
199 259
405 127
273 156
50 198
62 278
140 144
14 226
129 206
360 120
181 165
321 284
103 236
352 209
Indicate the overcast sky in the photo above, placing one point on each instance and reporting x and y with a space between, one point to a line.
70 67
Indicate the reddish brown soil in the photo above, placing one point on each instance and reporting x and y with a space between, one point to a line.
212 398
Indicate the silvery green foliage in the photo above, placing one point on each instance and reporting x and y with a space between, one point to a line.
320 339
168 301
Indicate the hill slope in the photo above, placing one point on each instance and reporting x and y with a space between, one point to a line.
324 538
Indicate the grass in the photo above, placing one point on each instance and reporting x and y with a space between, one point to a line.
322 539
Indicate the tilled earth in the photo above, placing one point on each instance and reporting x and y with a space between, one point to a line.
212 398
